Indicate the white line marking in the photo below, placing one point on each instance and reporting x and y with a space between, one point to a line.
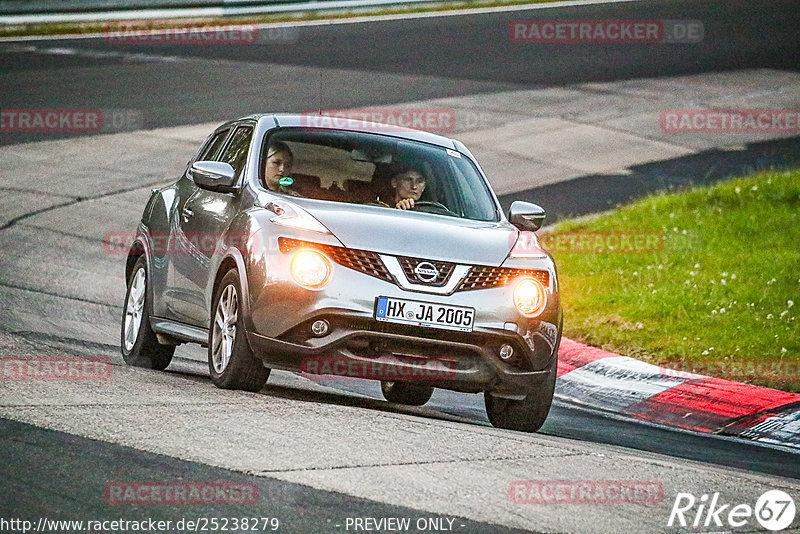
96 54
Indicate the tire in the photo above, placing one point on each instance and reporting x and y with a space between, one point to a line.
230 359
138 342
526 415
405 393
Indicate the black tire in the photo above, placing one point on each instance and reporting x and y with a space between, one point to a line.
146 351
526 415
243 370
405 393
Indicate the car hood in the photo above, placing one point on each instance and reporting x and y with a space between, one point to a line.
415 234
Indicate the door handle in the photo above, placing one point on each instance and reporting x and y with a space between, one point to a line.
187 214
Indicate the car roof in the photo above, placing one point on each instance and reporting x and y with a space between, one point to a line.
347 124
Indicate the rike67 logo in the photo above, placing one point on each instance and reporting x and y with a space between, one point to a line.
774 511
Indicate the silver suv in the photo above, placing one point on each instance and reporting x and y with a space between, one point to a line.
364 251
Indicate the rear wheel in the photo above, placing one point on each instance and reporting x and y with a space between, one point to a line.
231 362
140 346
526 415
405 393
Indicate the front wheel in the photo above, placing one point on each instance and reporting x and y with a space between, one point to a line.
231 361
405 393
140 346
526 415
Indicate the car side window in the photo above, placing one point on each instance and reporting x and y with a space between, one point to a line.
213 146
236 152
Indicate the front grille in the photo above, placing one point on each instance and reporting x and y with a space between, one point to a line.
482 277
362 261
370 263
409 264
471 344
369 338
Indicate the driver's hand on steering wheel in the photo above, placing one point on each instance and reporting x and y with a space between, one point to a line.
405 204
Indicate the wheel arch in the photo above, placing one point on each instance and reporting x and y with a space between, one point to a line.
233 260
137 250
140 248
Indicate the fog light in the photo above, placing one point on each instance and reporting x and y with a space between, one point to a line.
311 269
506 352
320 327
530 297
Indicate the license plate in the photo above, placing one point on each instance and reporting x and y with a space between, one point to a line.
418 313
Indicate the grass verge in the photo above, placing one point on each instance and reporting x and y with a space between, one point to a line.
704 280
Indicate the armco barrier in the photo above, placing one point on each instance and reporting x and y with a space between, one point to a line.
17 7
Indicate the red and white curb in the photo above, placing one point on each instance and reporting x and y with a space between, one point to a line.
620 384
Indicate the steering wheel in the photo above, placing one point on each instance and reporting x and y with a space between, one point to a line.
439 205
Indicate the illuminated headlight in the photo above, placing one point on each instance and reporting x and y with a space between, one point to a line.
311 269
530 297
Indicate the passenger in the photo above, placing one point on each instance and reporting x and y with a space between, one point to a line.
278 166
408 184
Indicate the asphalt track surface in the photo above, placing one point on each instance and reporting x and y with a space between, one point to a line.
379 63
33 492
56 474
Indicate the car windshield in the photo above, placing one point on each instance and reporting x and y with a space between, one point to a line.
375 169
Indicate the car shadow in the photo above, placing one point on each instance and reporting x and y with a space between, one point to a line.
194 370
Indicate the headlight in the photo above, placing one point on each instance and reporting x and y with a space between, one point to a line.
530 297
310 269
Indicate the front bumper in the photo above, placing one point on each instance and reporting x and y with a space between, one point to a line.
281 314
366 348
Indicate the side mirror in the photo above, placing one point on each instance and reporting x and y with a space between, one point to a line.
526 216
214 176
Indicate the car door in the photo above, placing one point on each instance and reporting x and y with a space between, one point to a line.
176 298
204 218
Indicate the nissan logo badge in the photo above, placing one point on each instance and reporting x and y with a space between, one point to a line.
426 271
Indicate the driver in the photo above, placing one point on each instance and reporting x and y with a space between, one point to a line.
408 184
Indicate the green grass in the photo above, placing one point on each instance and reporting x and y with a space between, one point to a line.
722 292
64 28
